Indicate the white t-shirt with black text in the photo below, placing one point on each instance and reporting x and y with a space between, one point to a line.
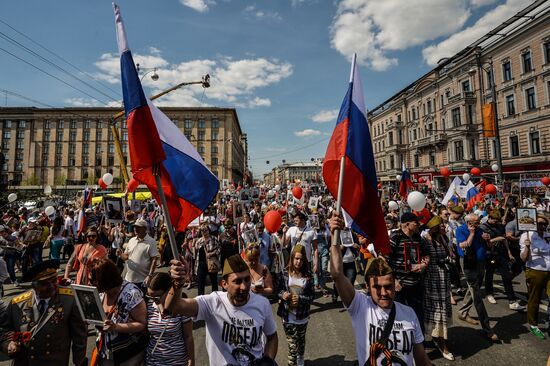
368 321
235 335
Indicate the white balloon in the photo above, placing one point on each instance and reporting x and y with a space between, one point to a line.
49 211
392 205
494 167
277 187
108 178
466 177
398 177
12 197
48 190
416 201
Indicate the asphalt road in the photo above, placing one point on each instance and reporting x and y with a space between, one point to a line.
330 339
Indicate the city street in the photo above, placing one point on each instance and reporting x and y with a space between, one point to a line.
330 338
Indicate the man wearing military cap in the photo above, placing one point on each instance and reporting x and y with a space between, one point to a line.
237 320
370 314
41 325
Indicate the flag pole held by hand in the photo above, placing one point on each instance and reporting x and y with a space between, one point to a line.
339 198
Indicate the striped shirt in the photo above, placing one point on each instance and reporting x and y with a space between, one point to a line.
170 350
405 253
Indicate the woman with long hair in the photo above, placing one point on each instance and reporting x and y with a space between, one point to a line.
296 293
262 283
84 255
170 335
122 337
57 238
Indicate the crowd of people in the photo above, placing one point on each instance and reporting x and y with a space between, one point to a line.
440 260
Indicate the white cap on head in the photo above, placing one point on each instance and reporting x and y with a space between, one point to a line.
140 223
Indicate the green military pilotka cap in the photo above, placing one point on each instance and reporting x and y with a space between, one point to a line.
458 209
234 264
378 267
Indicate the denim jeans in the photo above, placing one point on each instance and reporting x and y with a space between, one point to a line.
322 267
474 279
12 256
202 273
32 253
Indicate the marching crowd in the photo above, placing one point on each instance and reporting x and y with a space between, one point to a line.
439 259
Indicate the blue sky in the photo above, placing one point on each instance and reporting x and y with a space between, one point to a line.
284 64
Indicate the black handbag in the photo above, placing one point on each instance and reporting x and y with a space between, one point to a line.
126 346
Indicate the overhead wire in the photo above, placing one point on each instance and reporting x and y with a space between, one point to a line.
291 151
117 92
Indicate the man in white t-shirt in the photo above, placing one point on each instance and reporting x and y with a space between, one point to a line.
141 255
236 320
369 314
301 233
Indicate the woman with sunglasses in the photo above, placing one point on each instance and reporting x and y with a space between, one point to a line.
170 335
84 255
535 252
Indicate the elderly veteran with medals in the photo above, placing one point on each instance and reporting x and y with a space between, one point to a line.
43 325
384 329
240 328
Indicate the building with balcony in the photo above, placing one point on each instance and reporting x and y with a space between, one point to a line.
73 146
310 172
436 121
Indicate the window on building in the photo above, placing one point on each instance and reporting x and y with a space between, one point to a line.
459 150
201 135
20 134
392 162
441 101
71 161
19 144
124 136
47 124
58 160
46 149
429 106
22 124
60 124
45 160
414 113
466 86
19 155
87 123
215 123
85 149
98 149
72 148
18 166
400 137
59 135
432 157
46 136
514 145
473 149
99 135
72 136
7 124
202 123
214 161
214 149
534 140
73 123
201 149
530 98
98 161
416 160
188 124
86 135
510 106
490 78
187 135
110 160
471 113
455 114
6 135
111 149
99 124
390 138
215 135
507 71
546 50
527 61
124 148
110 136
58 148
85 161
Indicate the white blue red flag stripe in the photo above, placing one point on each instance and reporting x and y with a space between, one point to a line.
153 139
405 182
351 139
87 196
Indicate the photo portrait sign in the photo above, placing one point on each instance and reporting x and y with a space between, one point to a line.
526 218
89 304
114 209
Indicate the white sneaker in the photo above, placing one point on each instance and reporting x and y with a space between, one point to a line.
491 299
299 360
517 306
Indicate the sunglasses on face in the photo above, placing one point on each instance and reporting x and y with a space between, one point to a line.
92 236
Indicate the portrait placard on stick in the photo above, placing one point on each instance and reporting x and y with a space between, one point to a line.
89 304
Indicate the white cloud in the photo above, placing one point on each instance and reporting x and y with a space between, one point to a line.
325 116
199 5
480 3
374 28
82 102
308 132
460 40
253 11
232 82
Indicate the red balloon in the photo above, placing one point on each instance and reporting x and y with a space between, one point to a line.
297 192
273 221
101 183
490 189
379 185
475 171
545 181
132 185
423 216
445 172
420 180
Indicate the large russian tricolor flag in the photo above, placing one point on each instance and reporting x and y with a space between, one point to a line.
351 140
154 140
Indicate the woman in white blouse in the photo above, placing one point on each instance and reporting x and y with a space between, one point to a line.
535 252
